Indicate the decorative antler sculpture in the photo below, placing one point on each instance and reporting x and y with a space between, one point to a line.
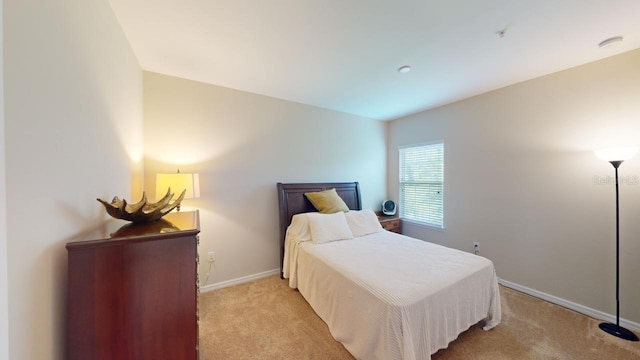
141 212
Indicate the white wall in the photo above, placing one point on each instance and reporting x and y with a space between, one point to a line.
520 179
4 295
242 144
73 127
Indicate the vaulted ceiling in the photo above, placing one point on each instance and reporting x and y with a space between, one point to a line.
345 54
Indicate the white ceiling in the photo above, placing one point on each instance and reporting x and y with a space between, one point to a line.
344 54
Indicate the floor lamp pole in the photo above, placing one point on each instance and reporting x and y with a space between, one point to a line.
616 329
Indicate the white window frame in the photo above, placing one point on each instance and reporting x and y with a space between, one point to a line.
433 215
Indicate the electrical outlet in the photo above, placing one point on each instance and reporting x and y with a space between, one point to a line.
476 247
212 256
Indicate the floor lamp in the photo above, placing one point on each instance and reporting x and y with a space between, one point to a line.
616 156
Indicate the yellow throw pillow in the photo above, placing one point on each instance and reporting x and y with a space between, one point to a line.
327 202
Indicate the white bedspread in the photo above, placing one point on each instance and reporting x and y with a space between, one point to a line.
387 296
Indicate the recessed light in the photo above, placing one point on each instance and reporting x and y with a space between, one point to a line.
404 69
612 41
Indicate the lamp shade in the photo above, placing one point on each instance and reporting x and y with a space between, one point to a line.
620 153
178 182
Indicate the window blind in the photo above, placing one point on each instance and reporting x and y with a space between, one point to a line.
422 183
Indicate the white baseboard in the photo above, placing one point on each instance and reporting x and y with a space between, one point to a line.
597 314
239 280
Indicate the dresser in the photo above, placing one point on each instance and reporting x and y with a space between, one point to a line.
133 291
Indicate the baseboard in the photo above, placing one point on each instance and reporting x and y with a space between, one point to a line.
597 314
239 280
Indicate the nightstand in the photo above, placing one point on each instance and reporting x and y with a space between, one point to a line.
391 223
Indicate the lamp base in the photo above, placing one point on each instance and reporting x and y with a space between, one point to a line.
618 331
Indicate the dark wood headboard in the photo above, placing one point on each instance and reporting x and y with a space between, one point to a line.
291 201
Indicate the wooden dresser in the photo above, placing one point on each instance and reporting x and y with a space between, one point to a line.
133 291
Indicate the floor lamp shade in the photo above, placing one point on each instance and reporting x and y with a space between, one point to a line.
616 156
620 153
178 182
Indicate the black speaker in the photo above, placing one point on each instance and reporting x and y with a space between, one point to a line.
388 207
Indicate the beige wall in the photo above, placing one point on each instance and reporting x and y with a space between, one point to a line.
242 144
520 179
4 295
73 127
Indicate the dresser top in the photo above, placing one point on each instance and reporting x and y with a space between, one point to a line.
117 231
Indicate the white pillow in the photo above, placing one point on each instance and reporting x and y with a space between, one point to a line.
363 222
298 230
328 227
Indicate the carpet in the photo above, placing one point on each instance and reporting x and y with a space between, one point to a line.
265 319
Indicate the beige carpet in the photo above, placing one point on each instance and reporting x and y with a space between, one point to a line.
265 319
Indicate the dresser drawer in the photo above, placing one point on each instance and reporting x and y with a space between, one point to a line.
391 224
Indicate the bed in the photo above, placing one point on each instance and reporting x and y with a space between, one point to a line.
383 295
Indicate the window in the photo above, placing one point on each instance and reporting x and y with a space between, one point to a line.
422 183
